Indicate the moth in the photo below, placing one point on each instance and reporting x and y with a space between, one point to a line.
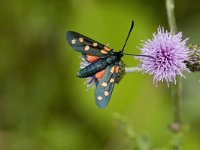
105 65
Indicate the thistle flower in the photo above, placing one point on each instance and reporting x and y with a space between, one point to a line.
89 80
167 53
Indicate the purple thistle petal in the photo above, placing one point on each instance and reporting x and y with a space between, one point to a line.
169 51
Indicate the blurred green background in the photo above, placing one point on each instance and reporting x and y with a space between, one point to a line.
44 106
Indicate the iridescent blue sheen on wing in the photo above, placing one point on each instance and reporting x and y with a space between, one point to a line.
105 87
86 45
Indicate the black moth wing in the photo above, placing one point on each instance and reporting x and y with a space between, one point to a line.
105 86
86 45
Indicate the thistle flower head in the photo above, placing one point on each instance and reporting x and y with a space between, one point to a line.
89 80
169 52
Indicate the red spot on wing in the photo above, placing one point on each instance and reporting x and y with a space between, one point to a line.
99 74
117 69
92 58
107 48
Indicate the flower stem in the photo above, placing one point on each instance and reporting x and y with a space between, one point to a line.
171 17
132 69
176 89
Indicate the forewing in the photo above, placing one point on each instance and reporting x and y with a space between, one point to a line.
86 45
105 86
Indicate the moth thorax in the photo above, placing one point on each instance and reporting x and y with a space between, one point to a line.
112 59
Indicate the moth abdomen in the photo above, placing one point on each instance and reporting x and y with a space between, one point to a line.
92 69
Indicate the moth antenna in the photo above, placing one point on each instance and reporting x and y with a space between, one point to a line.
132 24
140 55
